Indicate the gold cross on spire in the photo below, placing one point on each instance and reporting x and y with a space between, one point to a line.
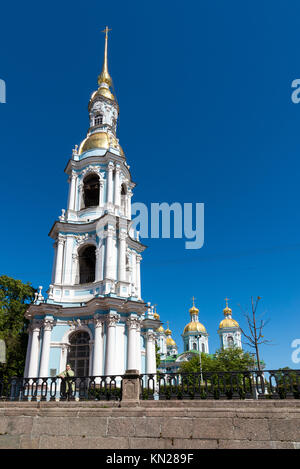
106 31
227 299
193 300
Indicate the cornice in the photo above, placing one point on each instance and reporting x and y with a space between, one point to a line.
106 303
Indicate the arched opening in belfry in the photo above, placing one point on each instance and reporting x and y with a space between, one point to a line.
91 191
123 197
87 264
79 353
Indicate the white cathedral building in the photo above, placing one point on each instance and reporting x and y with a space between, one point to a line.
195 339
94 317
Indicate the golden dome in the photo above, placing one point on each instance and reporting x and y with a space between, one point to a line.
160 329
103 91
194 310
99 140
228 322
170 342
194 326
227 310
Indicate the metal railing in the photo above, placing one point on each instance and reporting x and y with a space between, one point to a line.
95 388
268 384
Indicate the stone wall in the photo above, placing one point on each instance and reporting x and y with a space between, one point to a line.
153 425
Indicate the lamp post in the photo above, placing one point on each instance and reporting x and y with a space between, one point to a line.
200 360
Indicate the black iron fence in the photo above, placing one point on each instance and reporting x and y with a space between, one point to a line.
269 384
61 389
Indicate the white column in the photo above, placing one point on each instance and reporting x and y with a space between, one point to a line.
63 357
117 198
75 268
98 347
28 352
59 259
98 267
67 274
110 255
44 365
111 321
131 343
150 352
122 257
71 201
34 352
138 347
110 168
128 204
138 275
101 193
133 265
79 195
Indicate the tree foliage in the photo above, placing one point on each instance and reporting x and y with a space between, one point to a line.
232 359
14 299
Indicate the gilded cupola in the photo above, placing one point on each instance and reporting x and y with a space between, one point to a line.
194 325
228 321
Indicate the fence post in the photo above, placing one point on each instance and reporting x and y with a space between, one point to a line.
131 387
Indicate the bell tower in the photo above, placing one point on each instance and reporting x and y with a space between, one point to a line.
96 282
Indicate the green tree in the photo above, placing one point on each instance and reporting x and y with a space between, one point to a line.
157 356
231 359
14 299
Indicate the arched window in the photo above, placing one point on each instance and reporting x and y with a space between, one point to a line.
230 341
79 353
87 264
194 346
123 197
203 348
98 120
91 191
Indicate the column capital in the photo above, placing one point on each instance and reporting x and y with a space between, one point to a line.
35 326
110 166
133 323
48 324
112 319
109 232
150 336
123 235
61 239
98 321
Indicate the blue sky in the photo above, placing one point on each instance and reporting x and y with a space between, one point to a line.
206 115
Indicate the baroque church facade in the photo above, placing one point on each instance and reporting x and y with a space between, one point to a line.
94 316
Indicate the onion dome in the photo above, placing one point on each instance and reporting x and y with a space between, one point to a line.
194 325
99 140
228 321
169 341
156 315
160 329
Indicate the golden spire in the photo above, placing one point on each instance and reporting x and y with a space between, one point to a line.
104 76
